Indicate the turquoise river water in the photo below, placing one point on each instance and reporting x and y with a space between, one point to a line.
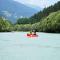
17 46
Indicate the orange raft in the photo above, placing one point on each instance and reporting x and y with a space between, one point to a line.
32 35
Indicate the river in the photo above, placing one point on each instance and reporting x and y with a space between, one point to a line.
17 46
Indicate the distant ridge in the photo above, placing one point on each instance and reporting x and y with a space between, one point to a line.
12 10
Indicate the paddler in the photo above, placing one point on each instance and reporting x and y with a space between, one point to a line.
34 32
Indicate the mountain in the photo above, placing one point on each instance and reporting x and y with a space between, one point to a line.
45 12
12 10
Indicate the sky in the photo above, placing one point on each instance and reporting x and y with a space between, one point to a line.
38 3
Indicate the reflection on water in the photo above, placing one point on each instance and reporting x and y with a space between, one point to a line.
17 46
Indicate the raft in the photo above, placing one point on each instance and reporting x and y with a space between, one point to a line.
32 35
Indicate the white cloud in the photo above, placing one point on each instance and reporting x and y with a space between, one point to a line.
39 3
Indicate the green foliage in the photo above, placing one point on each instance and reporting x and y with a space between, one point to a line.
23 21
50 24
5 25
22 27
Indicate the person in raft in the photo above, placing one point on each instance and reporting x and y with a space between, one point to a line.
34 32
31 32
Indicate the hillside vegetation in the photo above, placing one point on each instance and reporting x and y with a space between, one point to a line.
49 24
5 25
